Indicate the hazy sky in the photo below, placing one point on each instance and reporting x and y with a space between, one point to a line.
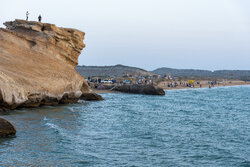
204 34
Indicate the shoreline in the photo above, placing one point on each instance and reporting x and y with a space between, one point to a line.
206 85
186 88
179 87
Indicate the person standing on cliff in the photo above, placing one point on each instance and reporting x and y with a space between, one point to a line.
39 18
27 15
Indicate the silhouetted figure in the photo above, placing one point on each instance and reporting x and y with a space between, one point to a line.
27 15
39 18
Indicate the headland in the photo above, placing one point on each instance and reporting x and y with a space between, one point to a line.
37 65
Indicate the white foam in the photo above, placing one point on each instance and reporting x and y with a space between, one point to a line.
52 126
56 128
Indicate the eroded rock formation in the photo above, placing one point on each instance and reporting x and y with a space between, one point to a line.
37 65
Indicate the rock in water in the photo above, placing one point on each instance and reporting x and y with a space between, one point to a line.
37 65
6 128
91 97
140 89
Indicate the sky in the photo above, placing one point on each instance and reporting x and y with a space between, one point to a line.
199 34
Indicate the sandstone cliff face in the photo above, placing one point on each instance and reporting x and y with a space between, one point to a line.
37 64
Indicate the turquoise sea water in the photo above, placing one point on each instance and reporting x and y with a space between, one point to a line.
196 127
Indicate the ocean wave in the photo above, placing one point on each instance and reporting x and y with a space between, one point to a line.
58 129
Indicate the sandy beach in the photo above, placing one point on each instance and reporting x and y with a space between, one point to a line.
204 84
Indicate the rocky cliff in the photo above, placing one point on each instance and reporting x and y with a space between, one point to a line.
37 65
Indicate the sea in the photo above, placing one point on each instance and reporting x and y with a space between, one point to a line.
189 127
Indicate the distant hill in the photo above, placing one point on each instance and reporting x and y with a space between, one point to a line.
233 74
116 71
188 73
182 72
121 70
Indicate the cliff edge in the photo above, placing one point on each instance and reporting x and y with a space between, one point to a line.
37 65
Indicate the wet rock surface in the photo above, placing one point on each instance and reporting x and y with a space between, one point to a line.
6 128
140 89
91 97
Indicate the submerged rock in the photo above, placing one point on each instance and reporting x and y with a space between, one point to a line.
6 128
37 65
